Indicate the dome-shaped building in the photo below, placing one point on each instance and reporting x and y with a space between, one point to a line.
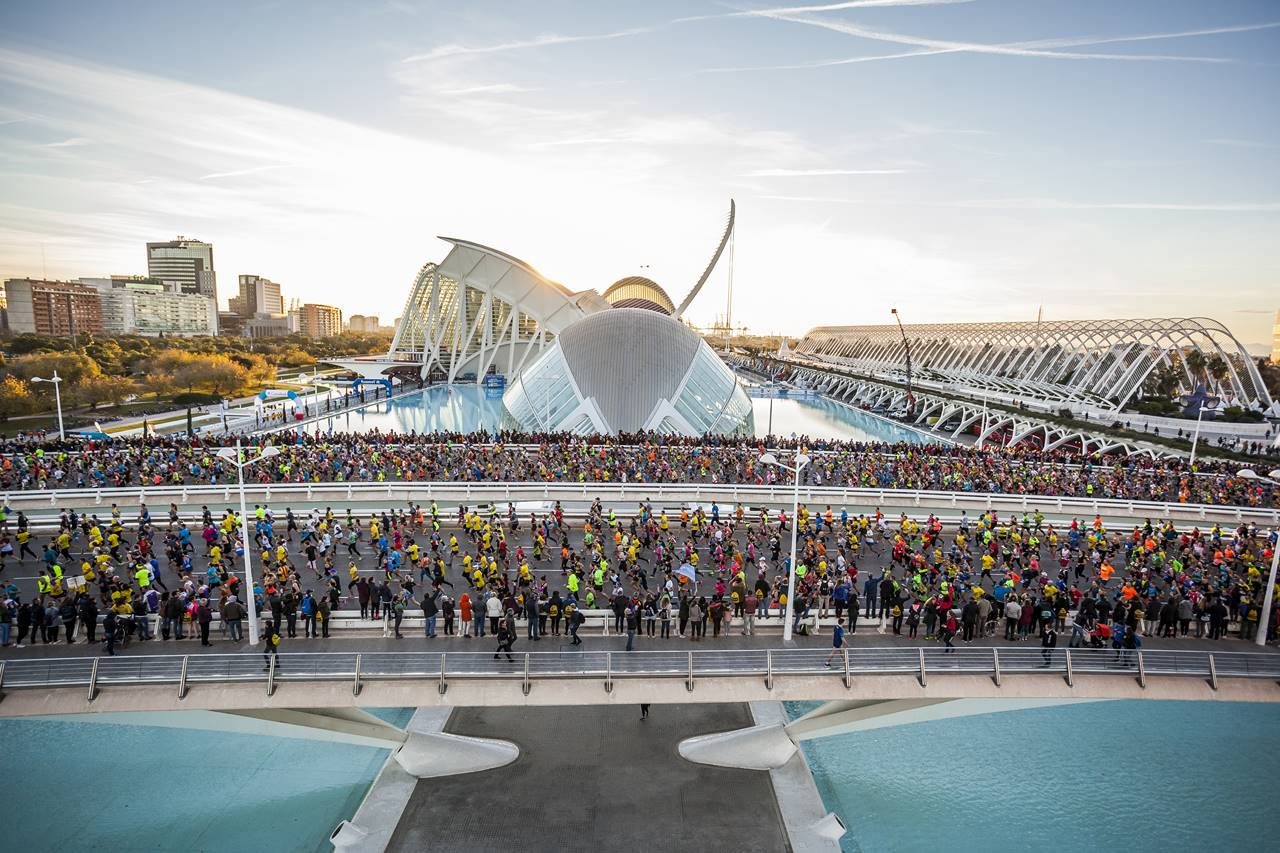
636 291
627 370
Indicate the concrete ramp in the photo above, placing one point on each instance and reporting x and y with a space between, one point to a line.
764 747
842 717
430 754
332 725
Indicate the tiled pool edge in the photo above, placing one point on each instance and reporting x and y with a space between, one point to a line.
380 810
799 802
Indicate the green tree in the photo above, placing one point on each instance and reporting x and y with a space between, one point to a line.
74 368
1196 363
106 389
15 397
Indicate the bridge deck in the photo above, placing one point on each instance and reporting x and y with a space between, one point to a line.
372 679
605 780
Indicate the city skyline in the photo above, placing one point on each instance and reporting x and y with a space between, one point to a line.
950 158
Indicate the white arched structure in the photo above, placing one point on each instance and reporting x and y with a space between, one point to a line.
483 311
1099 364
478 309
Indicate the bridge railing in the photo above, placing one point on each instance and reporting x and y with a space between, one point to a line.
608 666
661 494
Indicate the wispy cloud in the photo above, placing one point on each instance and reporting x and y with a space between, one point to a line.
826 7
253 170
1058 204
815 173
1024 49
552 39
448 50
73 142
489 89
1046 204
1232 142
582 140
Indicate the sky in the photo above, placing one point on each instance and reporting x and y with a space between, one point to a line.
960 160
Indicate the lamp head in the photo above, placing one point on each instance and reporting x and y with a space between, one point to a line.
227 453
268 451
801 460
768 459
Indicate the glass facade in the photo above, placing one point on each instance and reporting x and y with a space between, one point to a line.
711 400
543 394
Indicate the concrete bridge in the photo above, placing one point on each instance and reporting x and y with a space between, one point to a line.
346 680
529 494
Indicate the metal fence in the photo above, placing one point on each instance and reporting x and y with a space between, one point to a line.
660 493
527 668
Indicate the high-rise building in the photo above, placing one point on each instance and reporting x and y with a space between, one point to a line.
137 305
258 295
319 321
54 308
363 323
185 261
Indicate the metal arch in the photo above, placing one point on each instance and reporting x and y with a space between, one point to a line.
1101 359
711 265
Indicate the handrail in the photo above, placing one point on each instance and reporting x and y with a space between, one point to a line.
475 493
359 669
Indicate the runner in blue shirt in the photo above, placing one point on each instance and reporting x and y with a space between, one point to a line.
837 641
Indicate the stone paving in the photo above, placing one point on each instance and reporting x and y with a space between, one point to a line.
596 779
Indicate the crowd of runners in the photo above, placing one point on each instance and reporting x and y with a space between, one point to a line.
377 457
683 573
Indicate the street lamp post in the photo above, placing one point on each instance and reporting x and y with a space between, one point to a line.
907 345
1264 624
1195 438
236 457
801 461
56 381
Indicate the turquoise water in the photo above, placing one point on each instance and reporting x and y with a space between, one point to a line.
466 408
1125 775
90 786
822 418
448 408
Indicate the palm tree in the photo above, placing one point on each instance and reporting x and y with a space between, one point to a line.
1196 363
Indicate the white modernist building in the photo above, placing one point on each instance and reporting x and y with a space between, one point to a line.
1098 365
572 360
627 370
477 311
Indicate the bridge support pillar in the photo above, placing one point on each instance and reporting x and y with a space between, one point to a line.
770 746
841 717
765 747
431 754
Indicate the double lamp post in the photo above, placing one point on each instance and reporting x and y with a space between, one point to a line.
235 455
800 462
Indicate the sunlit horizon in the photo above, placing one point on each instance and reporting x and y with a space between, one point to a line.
961 161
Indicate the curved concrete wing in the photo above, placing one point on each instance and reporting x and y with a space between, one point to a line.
430 754
765 747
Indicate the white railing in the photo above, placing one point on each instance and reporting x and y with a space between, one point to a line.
662 494
607 667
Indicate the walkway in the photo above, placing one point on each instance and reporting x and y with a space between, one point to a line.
397 679
604 780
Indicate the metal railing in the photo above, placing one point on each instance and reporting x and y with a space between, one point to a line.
400 492
767 665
